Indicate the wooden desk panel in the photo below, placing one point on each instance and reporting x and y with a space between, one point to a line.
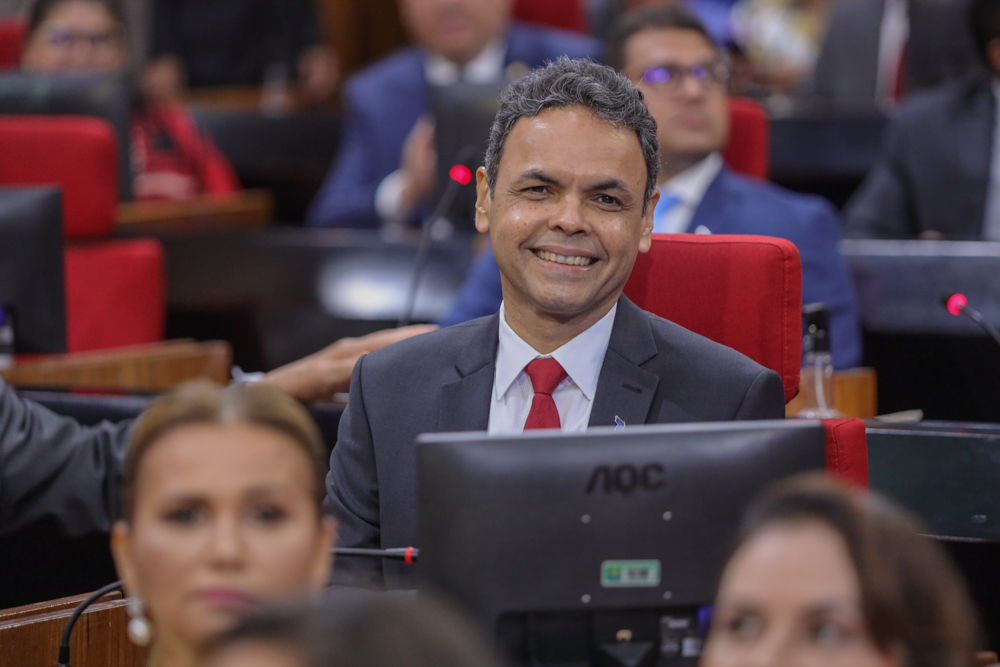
30 635
246 208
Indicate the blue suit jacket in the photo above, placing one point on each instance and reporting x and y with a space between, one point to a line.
384 101
734 204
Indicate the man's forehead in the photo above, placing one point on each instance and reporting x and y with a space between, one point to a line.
548 142
653 45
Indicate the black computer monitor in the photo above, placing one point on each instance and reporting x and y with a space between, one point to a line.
463 115
32 284
601 547
104 95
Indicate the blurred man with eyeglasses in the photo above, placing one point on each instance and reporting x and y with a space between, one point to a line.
669 56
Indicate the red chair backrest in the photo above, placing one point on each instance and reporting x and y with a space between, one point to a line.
741 291
847 450
747 150
565 14
12 32
78 153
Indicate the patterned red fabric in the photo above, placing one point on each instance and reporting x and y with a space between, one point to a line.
173 160
12 32
545 375
741 291
565 14
115 294
847 450
75 152
748 149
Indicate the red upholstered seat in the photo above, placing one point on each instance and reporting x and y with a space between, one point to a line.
744 292
12 32
115 294
75 152
565 14
741 291
748 149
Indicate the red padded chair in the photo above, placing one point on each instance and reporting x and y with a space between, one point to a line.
748 149
115 290
744 292
565 14
12 32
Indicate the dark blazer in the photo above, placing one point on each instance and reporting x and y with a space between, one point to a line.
939 49
51 466
934 171
383 102
654 372
734 204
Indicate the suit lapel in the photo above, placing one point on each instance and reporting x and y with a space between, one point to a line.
465 403
625 390
970 127
712 211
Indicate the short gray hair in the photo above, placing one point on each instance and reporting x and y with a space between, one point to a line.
565 83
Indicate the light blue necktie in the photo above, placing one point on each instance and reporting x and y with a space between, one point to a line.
666 204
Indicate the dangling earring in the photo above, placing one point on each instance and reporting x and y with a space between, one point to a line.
139 630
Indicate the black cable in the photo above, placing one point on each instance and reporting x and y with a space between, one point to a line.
75 616
977 317
424 249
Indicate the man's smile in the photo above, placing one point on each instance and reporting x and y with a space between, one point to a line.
570 260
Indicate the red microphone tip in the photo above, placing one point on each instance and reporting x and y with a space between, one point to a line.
956 302
461 174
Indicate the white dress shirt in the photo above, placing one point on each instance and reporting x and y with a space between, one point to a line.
893 34
581 358
689 187
487 67
991 220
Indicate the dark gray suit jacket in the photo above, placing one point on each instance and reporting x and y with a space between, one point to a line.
654 372
934 171
51 466
939 49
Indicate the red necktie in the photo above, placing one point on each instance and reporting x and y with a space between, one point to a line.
545 374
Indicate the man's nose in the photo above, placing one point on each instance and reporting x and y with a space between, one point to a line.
774 649
570 215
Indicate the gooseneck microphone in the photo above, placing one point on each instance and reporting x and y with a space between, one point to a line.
75 616
459 176
408 555
957 304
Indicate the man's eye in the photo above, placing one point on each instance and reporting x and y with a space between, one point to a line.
537 189
608 200
829 633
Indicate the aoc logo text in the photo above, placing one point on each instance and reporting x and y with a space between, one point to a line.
626 479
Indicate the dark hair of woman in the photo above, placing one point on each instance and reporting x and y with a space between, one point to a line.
912 596
41 10
363 629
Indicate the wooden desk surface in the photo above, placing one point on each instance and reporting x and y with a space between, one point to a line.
243 209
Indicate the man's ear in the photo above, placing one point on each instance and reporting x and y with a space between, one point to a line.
645 238
483 200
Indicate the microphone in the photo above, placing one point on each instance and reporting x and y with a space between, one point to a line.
957 305
460 175
75 616
408 555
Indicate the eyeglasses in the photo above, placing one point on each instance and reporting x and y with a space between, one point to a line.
669 77
62 38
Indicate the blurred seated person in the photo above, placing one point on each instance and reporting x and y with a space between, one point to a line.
875 52
698 192
829 576
352 629
212 43
781 39
51 466
939 173
384 171
222 500
171 159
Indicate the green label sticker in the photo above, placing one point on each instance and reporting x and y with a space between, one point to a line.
630 573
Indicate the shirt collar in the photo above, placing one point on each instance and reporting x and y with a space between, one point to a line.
691 184
487 67
581 358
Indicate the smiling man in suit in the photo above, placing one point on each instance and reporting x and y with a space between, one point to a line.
384 171
668 55
567 195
